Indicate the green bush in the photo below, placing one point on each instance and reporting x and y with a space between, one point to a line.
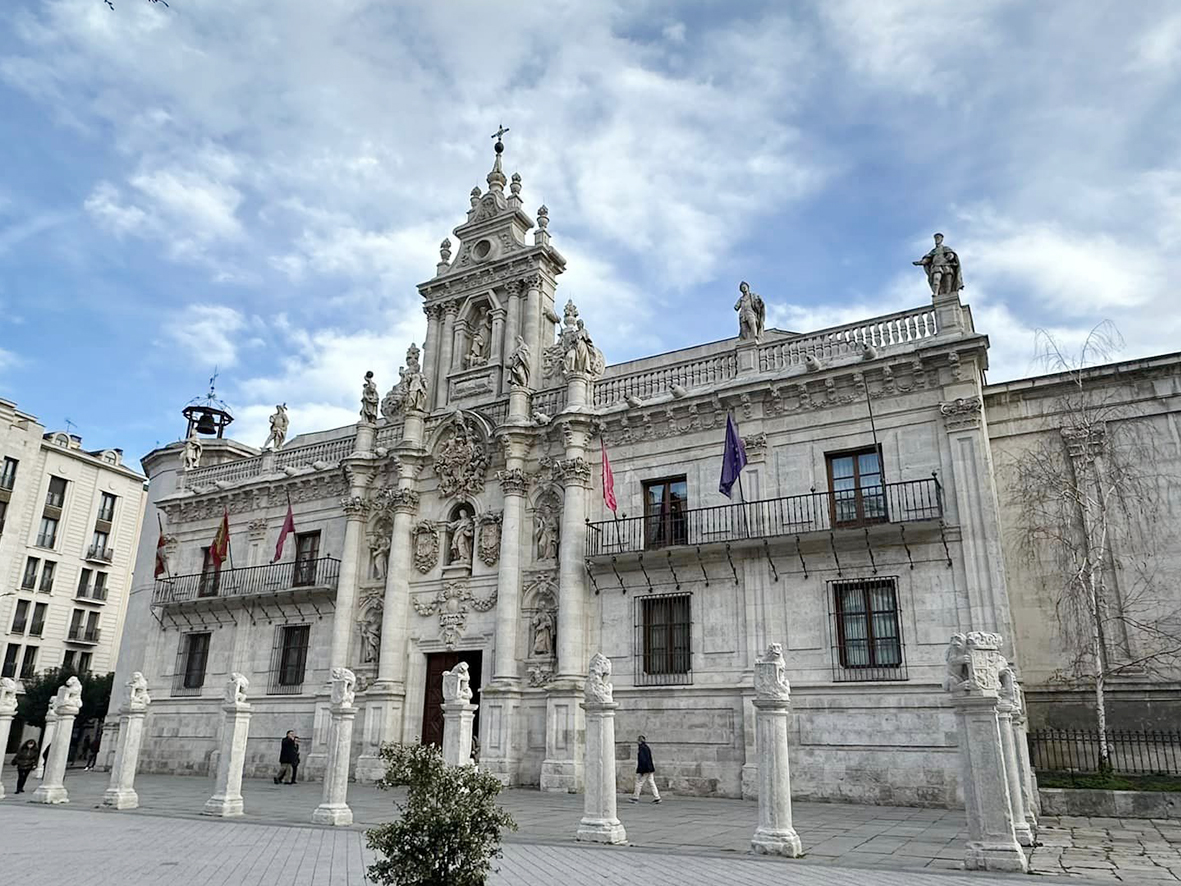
449 830
1109 781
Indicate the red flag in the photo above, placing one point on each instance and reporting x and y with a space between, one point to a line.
220 549
161 558
608 483
288 528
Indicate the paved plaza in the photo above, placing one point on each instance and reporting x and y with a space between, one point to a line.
683 840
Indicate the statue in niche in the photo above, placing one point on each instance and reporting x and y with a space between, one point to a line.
545 532
544 627
752 313
463 531
942 265
191 457
371 635
279 425
379 547
370 400
481 342
519 364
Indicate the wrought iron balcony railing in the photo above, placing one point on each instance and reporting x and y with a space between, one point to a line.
908 501
249 581
100 554
84 635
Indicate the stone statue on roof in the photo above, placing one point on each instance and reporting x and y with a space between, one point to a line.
942 265
752 313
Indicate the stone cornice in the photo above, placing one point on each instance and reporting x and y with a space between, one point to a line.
326 486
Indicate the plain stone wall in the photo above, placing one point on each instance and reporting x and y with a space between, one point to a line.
1110 804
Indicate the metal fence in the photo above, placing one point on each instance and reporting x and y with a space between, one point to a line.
248 581
1077 751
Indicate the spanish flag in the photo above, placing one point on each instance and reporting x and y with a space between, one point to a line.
220 549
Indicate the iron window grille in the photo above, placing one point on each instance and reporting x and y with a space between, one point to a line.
289 658
866 626
664 629
192 657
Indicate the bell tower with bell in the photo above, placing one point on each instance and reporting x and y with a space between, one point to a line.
492 296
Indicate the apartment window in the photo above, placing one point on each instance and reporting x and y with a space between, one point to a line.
289 659
20 618
29 662
665 503
47 532
29 581
84 583
99 542
210 575
38 625
76 624
10 656
84 662
191 659
69 658
92 634
663 643
47 573
8 475
855 481
3 514
867 630
99 591
307 551
56 496
106 508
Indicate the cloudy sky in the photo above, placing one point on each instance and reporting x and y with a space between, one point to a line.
259 186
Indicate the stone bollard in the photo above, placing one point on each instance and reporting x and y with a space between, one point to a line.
1017 750
458 713
69 703
334 807
47 735
775 834
227 794
600 823
974 663
7 712
120 793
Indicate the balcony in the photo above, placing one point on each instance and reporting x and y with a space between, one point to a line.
92 594
249 581
100 554
86 635
795 515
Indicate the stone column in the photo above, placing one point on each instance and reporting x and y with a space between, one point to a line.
120 793
496 351
445 350
458 713
391 667
1021 828
69 703
7 712
334 807
47 736
512 327
430 351
227 794
356 509
600 823
1030 801
775 834
533 321
974 663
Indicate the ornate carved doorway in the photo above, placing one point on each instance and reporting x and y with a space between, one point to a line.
432 711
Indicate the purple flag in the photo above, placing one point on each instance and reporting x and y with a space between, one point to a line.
734 458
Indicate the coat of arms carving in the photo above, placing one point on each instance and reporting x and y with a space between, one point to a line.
426 545
489 538
451 605
461 459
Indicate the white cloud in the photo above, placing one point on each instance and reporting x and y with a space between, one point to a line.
207 333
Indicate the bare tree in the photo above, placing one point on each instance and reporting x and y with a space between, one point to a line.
1091 501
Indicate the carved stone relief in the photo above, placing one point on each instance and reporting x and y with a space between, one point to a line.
489 537
426 545
461 459
451 606
369 615
962 414
546 525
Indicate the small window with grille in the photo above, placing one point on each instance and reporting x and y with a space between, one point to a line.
289 659
867 630
663 637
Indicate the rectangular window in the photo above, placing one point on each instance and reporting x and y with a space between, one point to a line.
47 572
92 634
99 591
10 656
47 533
69 657
867 629
289 659
29 581
38 624
855 483
55 497
3 514
84 662
84 583
76 624
191 661
210 575
665 503
663 654
100 545
29 662
8 475
106 508
21 617
307 551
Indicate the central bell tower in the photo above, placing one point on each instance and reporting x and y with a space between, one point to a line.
497 288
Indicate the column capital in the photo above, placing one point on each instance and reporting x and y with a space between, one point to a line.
513 481
451 310
574 471
404 501
962 414
355 507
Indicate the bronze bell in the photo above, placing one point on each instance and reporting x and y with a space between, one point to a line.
205 424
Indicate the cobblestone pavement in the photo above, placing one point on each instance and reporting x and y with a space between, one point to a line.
878 837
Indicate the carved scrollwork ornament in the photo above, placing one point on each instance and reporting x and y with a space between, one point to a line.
513 481
354 506
404 501
575 470
963 413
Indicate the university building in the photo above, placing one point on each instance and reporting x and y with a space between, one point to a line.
69 526
462 518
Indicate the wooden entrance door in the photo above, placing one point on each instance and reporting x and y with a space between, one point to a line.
432 710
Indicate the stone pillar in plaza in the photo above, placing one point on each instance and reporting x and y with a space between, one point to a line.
600 823
7 712
775 834
227 794
334 808
1026 786
47 736
120 793
69 703
458 714
974 663
1021 828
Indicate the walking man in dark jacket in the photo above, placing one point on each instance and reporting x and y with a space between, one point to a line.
288 758
645 772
